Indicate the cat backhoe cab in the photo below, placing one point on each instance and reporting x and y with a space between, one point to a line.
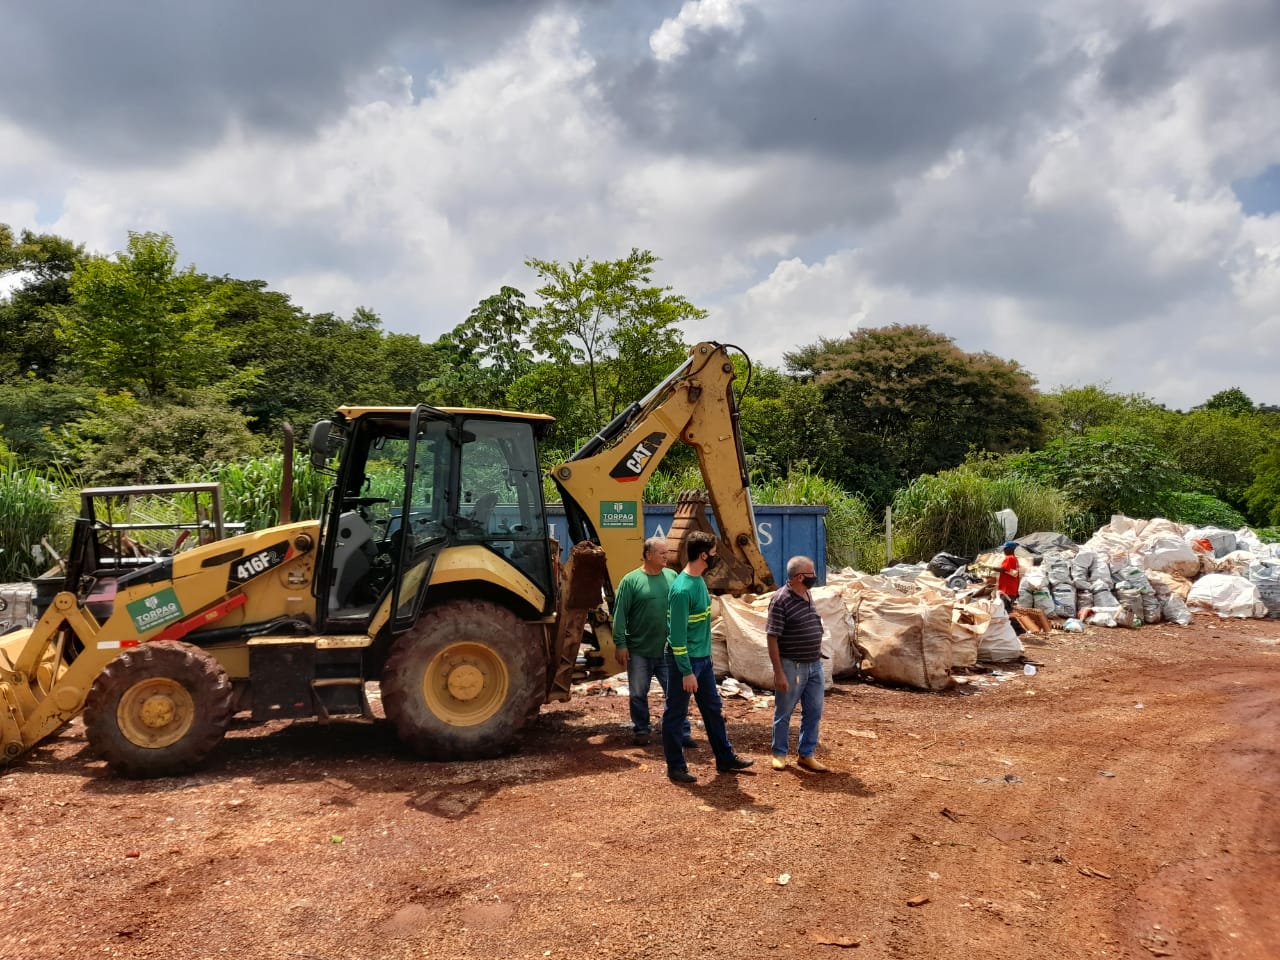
430 572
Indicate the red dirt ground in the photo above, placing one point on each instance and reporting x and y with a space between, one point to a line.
1120 803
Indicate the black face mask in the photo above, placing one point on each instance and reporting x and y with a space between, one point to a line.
810 582
712 560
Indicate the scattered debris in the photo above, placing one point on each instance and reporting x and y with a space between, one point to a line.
1090 872
917 901
831 940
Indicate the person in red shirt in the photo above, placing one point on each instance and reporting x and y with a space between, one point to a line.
1009 575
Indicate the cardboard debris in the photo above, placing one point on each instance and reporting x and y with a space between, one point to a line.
1030 619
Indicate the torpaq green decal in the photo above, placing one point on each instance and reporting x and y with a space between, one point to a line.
618 513
155 610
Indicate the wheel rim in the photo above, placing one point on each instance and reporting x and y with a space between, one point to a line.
466 684
157 712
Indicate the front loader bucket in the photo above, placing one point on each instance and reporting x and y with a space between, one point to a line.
38 694
19 699
11 712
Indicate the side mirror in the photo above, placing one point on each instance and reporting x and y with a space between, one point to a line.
320 444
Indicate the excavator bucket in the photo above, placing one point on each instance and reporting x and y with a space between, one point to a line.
732 574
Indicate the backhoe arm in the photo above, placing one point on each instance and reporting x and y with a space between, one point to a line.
603 484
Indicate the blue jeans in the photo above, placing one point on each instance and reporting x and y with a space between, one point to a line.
804 686
640 673
676 714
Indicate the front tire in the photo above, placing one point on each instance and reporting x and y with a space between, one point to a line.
158 710
463 680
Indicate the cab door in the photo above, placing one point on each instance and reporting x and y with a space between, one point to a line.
427 510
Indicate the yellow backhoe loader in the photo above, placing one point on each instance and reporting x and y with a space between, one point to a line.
430 571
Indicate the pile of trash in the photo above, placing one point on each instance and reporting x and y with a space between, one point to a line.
917 624
1135 572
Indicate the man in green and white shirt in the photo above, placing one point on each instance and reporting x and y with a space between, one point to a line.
689 658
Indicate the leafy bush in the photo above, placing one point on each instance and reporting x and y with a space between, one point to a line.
127 441
955 511
1104 471
1201 510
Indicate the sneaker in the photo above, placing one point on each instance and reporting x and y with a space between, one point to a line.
778 763
814 764
681 776
734 764
640 739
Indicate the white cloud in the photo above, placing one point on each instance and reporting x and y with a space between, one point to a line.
671 40
1090 235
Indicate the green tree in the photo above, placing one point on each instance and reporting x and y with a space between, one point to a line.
27 315
1214 448
1263 495
478 361
559 391
345 361
907 401
266 331
1232 400
138 323
786 427
1072 411
409 365
610 317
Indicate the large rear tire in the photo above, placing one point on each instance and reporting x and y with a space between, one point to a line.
462 682
158 710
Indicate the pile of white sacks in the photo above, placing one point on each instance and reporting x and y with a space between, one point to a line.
910 630
1133 572
905 626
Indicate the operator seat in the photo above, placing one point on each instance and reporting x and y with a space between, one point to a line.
484 510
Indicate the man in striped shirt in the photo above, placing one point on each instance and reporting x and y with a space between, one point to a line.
688 657
794 632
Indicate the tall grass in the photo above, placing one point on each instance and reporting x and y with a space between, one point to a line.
251 490
954 511
854 539
33 507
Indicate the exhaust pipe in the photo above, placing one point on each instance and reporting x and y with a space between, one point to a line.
286 483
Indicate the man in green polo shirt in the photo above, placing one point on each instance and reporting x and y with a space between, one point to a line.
640 633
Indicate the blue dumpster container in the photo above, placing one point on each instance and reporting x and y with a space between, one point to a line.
783 532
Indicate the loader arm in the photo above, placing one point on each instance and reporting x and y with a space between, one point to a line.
602 485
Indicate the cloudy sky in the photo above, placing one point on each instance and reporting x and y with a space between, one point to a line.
1089 187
